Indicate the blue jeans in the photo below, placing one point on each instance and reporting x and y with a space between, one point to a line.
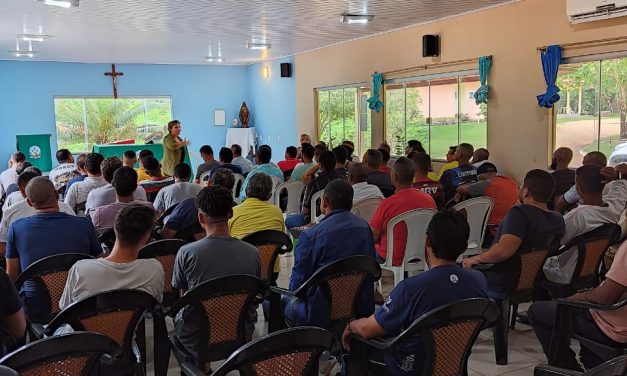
294 220
496 295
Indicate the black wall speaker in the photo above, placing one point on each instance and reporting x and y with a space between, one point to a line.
286 70
430 45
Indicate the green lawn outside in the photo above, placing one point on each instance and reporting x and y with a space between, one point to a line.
606 145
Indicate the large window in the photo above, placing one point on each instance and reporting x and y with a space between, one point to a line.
592 110
83 122
439 111
343 114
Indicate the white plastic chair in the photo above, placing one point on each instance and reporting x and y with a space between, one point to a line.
315 216
239 180
416 221
294 192
202 178
366 208
478 211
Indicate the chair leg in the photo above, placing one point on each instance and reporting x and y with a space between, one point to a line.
500 332
399 275
514 314
276 321
140 339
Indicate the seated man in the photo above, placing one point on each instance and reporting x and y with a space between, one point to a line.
350 149
307 154
414 145
183 222
226 161
313 171
327 174
290 160
125 183
206 153
358 177
55 233
13 191
405 199
76 195
106 194
606 327
129 159
9 176
451 162
341 162
61 174
385 160
216 255
571 197
479 157
80 170
179 191
12 318
141 170
443 283
563 175
463 174
323 244
121 269
264 155
422 181
373 158
595 210
19 168
240 161
523 225
157 180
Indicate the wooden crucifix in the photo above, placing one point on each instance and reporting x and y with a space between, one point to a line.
114 76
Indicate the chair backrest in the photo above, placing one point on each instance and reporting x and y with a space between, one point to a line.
114 314
613 367
6 371
591 248
366 208
294 190
67 354
416 221
239 180
204 177
531 262
341 282
293 351
478 211
50 275
448 334
224 304
165 215
270 244
165 252
316 202
107 240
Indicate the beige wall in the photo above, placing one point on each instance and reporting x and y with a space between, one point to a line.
518 130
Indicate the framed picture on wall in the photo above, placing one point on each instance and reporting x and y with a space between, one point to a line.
219 117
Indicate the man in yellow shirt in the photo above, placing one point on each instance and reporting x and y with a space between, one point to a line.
450 161
141 171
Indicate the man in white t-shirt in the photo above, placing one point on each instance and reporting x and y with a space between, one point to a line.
66 169
571 197
179 191
121 269
76 196
9 176
358 177
21 209
238 160
595 210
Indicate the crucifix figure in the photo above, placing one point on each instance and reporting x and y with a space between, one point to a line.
114 76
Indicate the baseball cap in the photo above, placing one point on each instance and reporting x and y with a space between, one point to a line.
486 168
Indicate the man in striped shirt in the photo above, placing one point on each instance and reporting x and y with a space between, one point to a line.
157 180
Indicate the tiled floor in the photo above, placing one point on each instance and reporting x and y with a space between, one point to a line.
524 350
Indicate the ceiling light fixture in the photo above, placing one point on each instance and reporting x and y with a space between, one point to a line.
258 46
61 3
33 37
356 18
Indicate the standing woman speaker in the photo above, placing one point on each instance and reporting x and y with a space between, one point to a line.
173 148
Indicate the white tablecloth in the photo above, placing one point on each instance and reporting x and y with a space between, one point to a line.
244 137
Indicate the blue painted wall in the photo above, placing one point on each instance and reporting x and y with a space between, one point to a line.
27 90
273 106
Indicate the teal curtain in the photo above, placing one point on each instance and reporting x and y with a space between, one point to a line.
481 95
373 102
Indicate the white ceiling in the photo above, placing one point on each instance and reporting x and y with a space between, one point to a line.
181 31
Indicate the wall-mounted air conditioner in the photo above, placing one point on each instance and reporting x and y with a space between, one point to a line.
579 11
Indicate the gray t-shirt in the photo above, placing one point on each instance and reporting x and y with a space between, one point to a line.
206 167
175 193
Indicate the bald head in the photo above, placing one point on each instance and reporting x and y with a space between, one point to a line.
41 194
358 173
480 155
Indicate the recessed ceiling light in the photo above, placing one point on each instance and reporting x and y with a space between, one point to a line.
258 46
61 3
33 37
356 18
211 59
30 54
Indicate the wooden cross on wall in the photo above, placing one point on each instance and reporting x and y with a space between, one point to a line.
114 76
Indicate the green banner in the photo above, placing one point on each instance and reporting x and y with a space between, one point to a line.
118 150
36 147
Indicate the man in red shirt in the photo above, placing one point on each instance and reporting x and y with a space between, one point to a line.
290 159
421 180
405 199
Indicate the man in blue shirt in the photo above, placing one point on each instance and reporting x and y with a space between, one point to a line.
48 232
443 283
264 155
340 234
463 174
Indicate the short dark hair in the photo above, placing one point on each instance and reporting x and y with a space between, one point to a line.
416 145
80 160
34 169
319 149
422 161
215 202
291 151
63 155
25 177
237 150
226 155
341 154
340 193
448 234
109 166
588 177
182 171
259 186
327 160
540 185
307 150
349 145
93 162
223 177
385 156
374 158
18 156
146 153
405 170
130 154
206 149
596 157
465 149
21 166
124 181
132 223
151 165
264 154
